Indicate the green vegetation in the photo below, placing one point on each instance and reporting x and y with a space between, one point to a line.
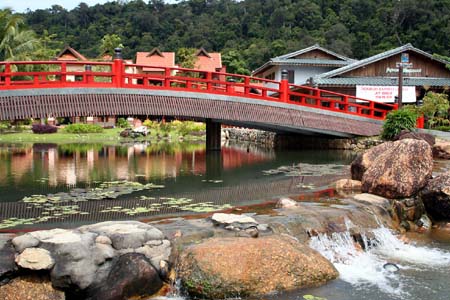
122 123
398 120
257 30
84 133
83 128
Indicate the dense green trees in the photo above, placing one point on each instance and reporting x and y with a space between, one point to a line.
255 29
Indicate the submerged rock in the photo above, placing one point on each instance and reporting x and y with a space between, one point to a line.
436 197
35 287
238 267
286 203
395 169
348 185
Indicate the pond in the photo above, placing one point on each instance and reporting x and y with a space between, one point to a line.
67 185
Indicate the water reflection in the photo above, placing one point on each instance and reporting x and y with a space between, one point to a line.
192 179
75 164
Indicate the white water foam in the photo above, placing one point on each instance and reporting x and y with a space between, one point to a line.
362 268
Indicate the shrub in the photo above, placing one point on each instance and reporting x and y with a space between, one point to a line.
398 120
151 124
43 128
83 128
122 123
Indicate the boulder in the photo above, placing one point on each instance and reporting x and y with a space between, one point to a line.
131 275
240 267
348 185
35 259
436 197
364 160
395 169
30 287
406 134
441 149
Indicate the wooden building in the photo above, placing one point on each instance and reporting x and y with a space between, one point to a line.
302 64
377 78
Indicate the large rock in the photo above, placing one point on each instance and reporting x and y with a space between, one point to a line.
364 160
436 197
238 267
132 275
395 169
33 287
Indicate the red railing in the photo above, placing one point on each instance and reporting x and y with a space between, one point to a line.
117 74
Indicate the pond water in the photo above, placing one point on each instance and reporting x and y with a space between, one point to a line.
46 186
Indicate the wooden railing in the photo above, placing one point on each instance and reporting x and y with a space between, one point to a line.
118 74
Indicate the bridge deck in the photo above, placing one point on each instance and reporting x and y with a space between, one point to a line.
60 89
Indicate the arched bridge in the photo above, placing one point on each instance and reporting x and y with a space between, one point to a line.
42 89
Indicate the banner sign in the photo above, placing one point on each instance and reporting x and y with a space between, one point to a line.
385 93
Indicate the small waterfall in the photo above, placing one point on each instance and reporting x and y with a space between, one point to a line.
363 268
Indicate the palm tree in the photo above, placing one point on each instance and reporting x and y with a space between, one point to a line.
16 42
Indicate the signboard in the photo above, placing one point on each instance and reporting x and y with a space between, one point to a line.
385 93
405 58
396 70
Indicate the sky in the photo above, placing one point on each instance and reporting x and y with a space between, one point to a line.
22 5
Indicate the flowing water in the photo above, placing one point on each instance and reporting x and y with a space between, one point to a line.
186 180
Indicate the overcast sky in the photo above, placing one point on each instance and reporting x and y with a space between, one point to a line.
22 5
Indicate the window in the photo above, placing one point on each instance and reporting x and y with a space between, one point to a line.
291 76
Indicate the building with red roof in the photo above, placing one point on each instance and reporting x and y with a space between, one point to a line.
155 58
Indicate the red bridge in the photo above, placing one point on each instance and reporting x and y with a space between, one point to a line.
42 89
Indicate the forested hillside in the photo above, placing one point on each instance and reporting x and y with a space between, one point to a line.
251 31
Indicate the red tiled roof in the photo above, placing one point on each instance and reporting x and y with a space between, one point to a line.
70 54
208 61
155 58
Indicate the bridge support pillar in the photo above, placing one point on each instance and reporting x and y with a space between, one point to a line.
213 135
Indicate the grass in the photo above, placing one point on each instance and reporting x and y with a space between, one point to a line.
108 136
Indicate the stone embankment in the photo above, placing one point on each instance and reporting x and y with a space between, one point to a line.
273 140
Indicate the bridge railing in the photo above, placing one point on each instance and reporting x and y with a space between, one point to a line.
118 74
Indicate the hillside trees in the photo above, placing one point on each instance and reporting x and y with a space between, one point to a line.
257 29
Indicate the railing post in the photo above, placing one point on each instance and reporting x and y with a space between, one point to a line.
372 108
118 69
345 105
208 81
7 74
420 122
284 86
246 85
87 73
63 73
167 77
